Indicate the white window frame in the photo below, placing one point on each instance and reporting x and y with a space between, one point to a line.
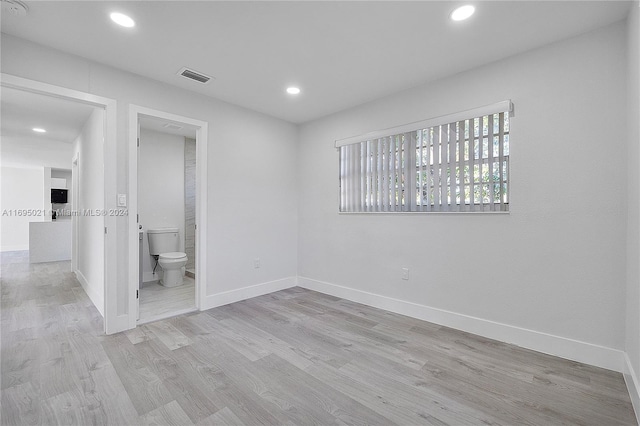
370 163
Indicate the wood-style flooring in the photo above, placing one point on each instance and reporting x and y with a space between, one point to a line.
294 357
158 301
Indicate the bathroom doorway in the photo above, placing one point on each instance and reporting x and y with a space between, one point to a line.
168 200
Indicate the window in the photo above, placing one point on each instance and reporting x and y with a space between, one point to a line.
456 163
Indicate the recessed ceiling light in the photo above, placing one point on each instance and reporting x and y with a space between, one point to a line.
122 19
462 13
293 90
39 130
14 7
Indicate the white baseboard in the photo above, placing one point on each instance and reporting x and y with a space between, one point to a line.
231 296
575 350
633 385
97 299
23 247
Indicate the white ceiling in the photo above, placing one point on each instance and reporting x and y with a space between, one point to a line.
341 54
22 111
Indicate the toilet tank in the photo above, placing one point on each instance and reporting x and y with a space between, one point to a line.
163 240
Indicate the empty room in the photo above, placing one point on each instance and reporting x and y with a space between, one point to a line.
320 212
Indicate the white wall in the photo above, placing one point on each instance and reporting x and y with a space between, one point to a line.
22 188
160 189
88 147
46 184
555 265
633 217
251 162
20 151
25 188
21 159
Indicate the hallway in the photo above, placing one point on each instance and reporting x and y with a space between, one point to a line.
52 359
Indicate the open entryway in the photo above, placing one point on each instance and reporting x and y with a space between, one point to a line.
56 190
167 198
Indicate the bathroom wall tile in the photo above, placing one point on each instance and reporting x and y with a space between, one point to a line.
190 201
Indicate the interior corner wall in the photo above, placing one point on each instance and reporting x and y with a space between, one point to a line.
89 149
632 343
552 269
252 192
22 190
160 190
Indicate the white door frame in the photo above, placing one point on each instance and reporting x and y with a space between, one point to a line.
75 192
111 320
135 111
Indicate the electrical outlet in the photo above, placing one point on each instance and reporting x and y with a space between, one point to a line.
256 262
405 273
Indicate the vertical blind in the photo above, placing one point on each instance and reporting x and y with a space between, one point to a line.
455 163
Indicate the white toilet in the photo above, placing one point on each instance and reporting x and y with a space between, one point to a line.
164 243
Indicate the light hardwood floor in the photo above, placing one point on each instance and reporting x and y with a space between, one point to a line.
158 301
294 357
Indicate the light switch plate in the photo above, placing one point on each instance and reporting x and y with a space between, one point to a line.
122 200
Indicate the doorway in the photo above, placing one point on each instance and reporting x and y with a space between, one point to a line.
101 255
167 190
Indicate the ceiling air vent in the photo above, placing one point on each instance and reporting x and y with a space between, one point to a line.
194 75
172 126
